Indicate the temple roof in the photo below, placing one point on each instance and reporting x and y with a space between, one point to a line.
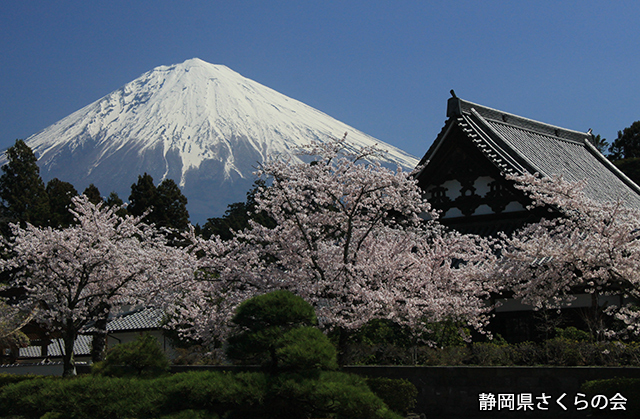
517 145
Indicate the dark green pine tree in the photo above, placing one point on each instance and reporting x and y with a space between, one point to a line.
600 143
113 200
171 206
630 167
22 191
166 203
93 193
237 216
625 151
60 199
627 145
143 195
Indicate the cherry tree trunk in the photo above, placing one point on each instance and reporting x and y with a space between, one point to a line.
69 364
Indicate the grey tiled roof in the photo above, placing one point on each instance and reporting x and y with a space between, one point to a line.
82 346
147 318
143 319
517 145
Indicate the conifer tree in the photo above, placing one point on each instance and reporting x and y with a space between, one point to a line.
60 201
625 151
237 216
166 204
143 195
114 201
93 193
22 191
627 145
171 206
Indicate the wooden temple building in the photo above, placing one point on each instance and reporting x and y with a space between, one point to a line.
463 174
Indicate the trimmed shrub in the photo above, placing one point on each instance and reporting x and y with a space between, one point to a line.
526 353
82 397
485 353
304 349
214 391
574 334
142 357
286 395
14 378
25 397
339 395
559 351
563 352
453 355
379 354
196 355
267 333
203 395
629 388
398 394
350 397
191 414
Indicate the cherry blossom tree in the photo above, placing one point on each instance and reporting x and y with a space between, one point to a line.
354 239
81 274
227 273
583 246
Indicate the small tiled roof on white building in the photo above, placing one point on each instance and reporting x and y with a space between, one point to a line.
144 319
136 320
82 346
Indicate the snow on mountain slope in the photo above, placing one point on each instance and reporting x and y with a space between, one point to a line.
202 125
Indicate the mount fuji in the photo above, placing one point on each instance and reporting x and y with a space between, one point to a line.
202 125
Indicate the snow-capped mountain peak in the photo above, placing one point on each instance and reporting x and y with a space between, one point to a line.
202 125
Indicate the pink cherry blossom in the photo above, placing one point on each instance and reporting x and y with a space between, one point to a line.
353 238
89 270
583 246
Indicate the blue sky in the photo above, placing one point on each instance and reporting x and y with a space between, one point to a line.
384 67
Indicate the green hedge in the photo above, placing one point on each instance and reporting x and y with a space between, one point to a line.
14 378
214 391
558 351
629 388
86 396
199 394
399 394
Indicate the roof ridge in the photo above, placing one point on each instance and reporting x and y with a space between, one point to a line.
544 134
503 117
